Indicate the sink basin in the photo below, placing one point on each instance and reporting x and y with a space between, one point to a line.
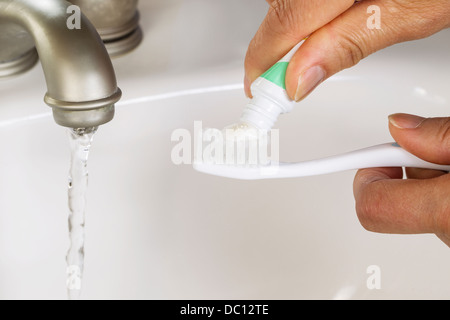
156 230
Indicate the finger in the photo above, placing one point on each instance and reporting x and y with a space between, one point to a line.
418 173
426 138
286 24
366 176
387 204
366 27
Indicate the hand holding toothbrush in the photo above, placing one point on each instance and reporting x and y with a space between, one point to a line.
420 204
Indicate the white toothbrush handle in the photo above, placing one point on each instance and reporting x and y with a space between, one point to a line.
384 155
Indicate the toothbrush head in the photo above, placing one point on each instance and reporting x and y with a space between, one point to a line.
239 144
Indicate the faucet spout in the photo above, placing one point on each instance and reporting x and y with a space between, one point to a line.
81 83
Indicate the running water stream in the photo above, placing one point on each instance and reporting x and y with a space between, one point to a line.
80 143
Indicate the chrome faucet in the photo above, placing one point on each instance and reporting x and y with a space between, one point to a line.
81 83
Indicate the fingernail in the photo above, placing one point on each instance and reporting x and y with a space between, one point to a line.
308 81
405 121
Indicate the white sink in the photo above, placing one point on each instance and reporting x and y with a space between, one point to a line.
156 230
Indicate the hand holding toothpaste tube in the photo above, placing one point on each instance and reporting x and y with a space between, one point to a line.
339 36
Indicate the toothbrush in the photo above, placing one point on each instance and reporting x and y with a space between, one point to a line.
269 101
384 155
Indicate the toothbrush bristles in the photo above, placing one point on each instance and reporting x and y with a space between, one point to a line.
236 145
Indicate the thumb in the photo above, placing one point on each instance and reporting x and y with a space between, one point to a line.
363 29
286 23
426 138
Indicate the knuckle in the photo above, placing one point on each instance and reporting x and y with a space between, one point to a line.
280 9
365 215
443 135
351 49
442 216
351 44
368 208
283 18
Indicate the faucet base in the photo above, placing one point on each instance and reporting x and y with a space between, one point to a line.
123 45
116 21
19 65
122 39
